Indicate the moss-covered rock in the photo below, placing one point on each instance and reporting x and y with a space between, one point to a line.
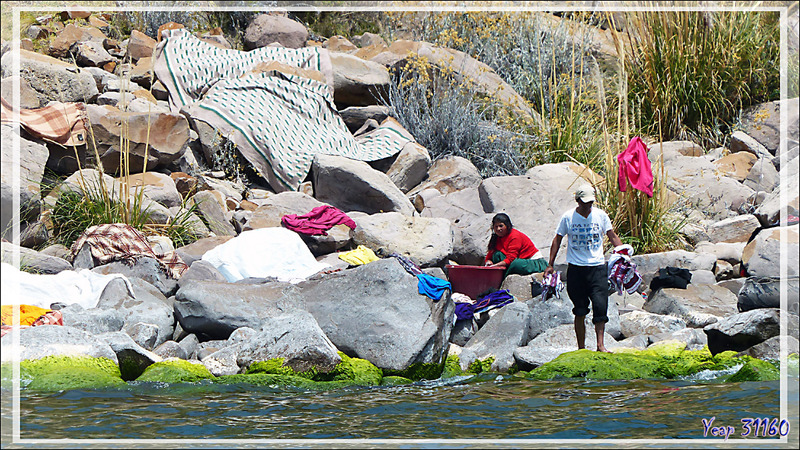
452 367
356 370
419 371
57 373
669 361
276 366
481 365
755 370
175 371
279 380
395 381
793 365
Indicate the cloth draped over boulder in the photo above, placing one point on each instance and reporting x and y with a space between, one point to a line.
262 253
82 287
361 255
278 118
634 168
29 316
60 123
121 242
317 221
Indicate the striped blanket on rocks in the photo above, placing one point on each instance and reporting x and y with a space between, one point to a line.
121 242
271 102
59 123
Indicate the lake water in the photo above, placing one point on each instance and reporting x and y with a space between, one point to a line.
476 411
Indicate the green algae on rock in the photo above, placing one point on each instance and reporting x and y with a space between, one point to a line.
175 371
358 371
452 367
281 380
57 373
667 361
481 365
755 370
395 381
275 366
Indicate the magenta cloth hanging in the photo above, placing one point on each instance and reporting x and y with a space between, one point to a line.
317 221
634 168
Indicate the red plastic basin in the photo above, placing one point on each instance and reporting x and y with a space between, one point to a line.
474 280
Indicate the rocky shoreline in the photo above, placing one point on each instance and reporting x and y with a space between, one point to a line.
369 324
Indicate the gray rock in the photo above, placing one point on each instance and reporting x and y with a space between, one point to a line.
266 29
217 309
171 349
733 229
741 331
697 305
730 252
557 340
643 323
742 142
357 81
42 341
765 292
762 256
297 338
33 261
133 359
410 167
771 348
462 332
449 174
52 79
763 176
355 116
213 213
28 98
32 159
91 53
222 361
501 335
529 357
471 235
378 315
148 306
95 321
355 186
519 286
157 186
144 268
768 212
201 271
694 338
429 242
700 277
639 342
549 314
762 122
189 344
144 334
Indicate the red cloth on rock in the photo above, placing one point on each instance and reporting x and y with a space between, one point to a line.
634 166
514 245
318 221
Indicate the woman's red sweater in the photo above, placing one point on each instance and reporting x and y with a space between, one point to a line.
514 245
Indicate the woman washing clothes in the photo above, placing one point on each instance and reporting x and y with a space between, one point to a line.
511 249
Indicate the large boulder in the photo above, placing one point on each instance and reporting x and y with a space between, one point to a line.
32 159
356 81
166 133
697 305
52 79
786 195
145 305
506 330
549 314
410 167
156 186
355 186
145 268
140 45
210 208
429 242
733 229
449 174
266 29
133 358
72 34
195 251
294 336
39 342
765 292
379 315
649 264
216 309
557 340
763 123
744 330
762 256
33 261
95 320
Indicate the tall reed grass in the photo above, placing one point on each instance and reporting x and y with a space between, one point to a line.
691 73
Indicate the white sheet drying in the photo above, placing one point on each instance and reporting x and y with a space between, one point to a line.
69 287
265 252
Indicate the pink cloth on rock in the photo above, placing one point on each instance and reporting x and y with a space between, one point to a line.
318 221
634 168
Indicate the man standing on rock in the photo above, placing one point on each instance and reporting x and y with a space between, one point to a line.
587 274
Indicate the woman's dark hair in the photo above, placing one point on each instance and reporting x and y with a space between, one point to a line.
501 218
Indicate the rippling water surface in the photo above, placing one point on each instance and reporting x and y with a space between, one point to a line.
470 408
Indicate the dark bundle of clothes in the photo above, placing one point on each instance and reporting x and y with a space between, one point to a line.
671 277
492 300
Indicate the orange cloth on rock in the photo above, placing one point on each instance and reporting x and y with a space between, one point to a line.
27 314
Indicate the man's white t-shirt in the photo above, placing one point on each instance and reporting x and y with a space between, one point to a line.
584 236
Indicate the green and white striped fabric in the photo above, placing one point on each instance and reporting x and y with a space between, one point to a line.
278 121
